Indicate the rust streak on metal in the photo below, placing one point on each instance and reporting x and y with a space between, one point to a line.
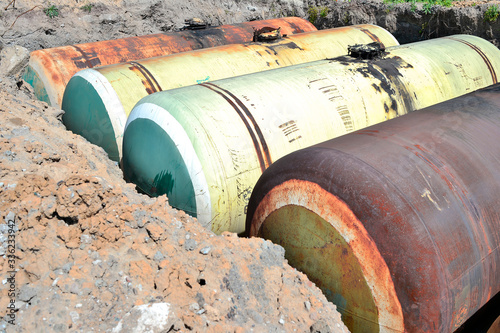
245 121
84 55
481 53
372 36
151 84
265 148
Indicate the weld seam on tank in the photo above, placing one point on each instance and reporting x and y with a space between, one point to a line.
481 53
147 75
251 130
264 150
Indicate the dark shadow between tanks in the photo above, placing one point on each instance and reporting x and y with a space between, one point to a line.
482 320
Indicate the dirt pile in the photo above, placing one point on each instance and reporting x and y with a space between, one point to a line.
89 252
85 21
411 22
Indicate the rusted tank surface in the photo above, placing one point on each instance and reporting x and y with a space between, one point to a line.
205 145
96 99
495 328
49 70
398 223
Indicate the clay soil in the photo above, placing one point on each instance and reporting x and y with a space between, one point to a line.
92 254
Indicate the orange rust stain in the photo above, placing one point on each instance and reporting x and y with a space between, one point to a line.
367 132
109 52
148 85
333 208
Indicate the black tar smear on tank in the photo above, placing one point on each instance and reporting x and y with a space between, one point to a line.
386 70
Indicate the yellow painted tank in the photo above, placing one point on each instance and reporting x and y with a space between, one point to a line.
99 100
49 70
206 145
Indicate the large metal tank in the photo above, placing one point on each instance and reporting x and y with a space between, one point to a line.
49 70
206 145
97 101
398 223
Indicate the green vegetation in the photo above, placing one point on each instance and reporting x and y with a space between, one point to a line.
423 29
491 14
427 8
427 4
347 17
413 6
323 12
87 8
314 12
51 11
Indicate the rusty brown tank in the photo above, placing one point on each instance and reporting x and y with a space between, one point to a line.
49 70
495 328
398 223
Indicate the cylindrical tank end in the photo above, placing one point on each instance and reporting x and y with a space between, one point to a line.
161 160
86 102
33 79
495 328
355 277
